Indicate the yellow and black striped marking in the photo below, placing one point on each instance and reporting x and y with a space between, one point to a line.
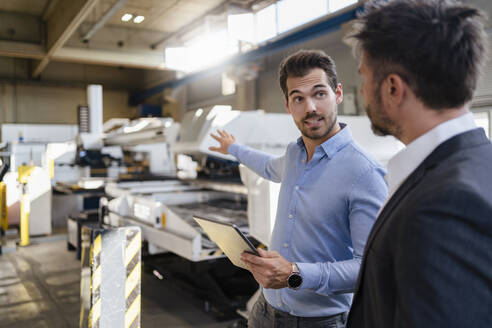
95 312
133 277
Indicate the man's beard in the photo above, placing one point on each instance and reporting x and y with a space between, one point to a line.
381 124
380 128
317 133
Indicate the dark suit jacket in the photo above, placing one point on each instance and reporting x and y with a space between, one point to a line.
428 258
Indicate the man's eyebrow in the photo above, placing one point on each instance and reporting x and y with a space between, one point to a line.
294 91
317 86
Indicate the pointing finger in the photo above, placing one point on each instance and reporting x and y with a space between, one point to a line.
215 137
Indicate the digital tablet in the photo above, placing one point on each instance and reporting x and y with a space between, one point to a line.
229 238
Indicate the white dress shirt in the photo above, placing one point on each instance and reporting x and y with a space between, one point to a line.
409 158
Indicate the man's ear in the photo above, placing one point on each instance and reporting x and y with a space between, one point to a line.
339 94
393 90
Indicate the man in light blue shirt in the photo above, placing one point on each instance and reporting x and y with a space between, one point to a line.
331 191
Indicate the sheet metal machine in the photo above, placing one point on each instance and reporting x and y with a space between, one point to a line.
210 185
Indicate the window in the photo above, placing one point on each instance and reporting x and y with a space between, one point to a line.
293 13
210 48
335 5
266 23
242 27
204 50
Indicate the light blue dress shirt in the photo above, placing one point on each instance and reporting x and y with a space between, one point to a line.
326 209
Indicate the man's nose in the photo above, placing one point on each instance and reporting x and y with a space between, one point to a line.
310 106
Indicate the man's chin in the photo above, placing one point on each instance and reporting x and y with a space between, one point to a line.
379 131
314 134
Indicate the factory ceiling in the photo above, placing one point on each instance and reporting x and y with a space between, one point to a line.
93 31
96 32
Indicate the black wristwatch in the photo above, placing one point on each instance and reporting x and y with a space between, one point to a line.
295 279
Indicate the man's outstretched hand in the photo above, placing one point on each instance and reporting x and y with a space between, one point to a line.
225 139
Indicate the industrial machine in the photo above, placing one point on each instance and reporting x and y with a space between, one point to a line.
164 210
209 186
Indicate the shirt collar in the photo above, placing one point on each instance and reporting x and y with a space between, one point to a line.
334 144
409 158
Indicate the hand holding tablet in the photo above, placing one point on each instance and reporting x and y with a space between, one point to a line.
229 238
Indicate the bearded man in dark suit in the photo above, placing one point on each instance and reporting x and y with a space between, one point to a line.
428 258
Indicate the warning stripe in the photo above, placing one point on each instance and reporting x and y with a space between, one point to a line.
133 274
97 245
96 276
133 312
95 314
133 246
132 280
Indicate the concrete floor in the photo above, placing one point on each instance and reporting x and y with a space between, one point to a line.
40 287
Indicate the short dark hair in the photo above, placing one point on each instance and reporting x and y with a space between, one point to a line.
438 47
300 63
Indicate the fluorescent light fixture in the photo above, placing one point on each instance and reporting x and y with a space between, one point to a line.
138 19
126 17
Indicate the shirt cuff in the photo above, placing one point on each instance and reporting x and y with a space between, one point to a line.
233 149
311 275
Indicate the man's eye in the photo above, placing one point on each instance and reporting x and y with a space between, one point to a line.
321 94
297 99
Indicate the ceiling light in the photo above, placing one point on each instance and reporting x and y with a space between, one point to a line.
138 19
126 17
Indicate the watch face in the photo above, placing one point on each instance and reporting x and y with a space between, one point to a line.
295 280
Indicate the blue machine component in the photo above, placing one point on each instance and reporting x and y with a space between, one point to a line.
145 110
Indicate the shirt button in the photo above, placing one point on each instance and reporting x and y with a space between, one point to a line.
279 304
286 245
290 216
303 160
297 187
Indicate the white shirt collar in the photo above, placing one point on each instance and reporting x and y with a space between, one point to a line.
409 158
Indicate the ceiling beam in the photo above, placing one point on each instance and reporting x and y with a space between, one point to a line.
65 19
135 59
110 13
146 60
21 50
48 9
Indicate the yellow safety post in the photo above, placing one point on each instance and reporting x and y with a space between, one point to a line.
4 217
52 168
25 206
